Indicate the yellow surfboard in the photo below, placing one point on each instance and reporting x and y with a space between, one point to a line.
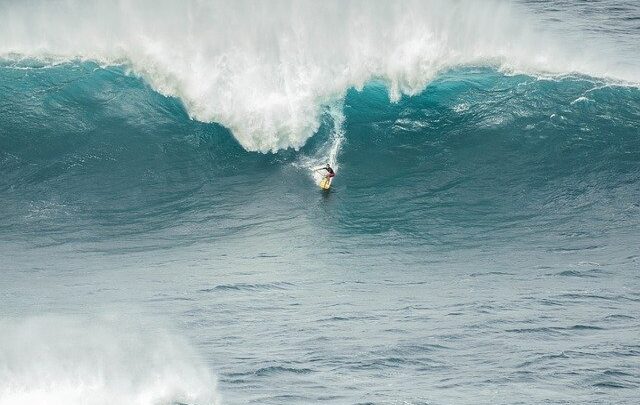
325 183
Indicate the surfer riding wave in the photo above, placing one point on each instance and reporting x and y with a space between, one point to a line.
329 171
327 176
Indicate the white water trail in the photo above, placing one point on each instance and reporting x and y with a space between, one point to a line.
328 153
68 360
337 136
267 69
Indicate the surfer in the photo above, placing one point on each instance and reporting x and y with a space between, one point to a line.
329 170
327 177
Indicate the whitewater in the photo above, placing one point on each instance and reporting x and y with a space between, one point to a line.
163 241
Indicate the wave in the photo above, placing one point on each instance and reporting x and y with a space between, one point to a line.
266 71
92 152
68 360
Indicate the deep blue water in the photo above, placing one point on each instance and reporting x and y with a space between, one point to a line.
480 244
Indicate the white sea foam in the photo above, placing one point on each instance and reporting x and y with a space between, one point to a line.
266 69
581 99
62 360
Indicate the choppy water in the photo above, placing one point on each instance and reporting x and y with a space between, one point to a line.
481 242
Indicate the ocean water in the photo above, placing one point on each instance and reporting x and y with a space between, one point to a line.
162 240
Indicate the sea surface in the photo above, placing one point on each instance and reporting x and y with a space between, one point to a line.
163 239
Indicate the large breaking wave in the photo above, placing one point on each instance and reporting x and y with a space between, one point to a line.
265 70
89 154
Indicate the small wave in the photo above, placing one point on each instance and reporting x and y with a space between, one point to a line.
266 371
544 358
582 99
574 249
168 298
593 273
386 362
413 349
618 316
248 287
613 384
576 296
348 318
584 327
554 329
491 273
617 373
544 330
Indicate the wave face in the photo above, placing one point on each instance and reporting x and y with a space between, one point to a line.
90 148
265 70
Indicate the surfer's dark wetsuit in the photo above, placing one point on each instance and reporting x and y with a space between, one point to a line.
330 172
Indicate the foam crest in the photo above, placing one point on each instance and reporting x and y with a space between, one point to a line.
62 360
266 69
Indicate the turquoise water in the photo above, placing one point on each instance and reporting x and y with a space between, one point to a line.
480 243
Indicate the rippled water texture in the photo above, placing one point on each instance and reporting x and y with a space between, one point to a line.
480 243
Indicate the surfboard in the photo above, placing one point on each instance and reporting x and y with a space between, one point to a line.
325 183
